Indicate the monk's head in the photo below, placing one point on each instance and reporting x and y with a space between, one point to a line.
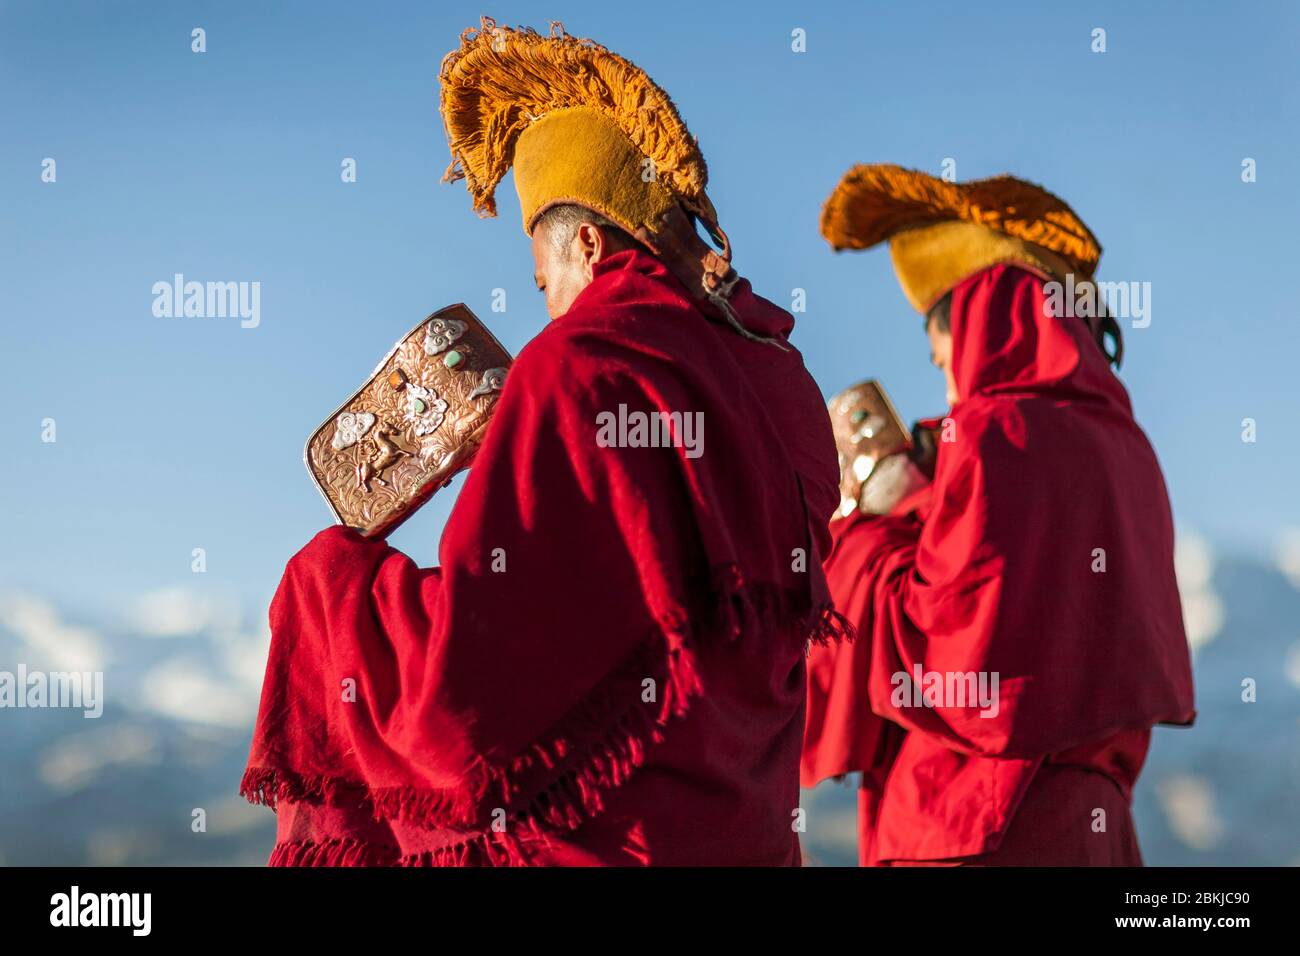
568 241
938 327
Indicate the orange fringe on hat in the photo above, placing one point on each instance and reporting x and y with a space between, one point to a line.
874 202
500 80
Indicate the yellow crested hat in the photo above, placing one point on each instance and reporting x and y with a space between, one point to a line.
941 232
578 123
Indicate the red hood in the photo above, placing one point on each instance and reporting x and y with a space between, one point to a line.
1006 343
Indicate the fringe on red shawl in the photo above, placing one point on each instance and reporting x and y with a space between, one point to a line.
611 746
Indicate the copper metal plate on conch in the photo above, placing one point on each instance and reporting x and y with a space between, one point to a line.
866 429
415 423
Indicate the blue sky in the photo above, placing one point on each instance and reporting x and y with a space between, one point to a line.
174 434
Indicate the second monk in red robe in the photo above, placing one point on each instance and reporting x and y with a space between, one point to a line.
1019 624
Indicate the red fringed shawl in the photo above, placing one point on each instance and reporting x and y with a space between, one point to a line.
1044 554
608 665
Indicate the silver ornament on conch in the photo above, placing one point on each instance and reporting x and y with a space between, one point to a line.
440 333
349 428
424 409
493 380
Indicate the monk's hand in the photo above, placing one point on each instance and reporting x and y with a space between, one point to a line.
925 446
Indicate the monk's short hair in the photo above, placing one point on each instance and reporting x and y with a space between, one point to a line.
563 221
941 315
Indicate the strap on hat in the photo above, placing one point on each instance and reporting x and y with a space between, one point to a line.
1104 324
698 266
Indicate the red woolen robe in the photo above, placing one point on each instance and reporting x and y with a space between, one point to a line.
1043 552
608 667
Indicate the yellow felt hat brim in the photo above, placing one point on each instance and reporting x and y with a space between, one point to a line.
580 155
931 260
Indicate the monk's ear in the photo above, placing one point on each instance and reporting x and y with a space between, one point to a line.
593 245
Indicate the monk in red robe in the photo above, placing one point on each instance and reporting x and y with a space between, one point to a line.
608 666
1019 624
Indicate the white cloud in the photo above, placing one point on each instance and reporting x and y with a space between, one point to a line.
50 643
180 612
1288 555
1193 560
1202 617
1291 665
1202 608
244 655
221 694
1189 806
186 689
